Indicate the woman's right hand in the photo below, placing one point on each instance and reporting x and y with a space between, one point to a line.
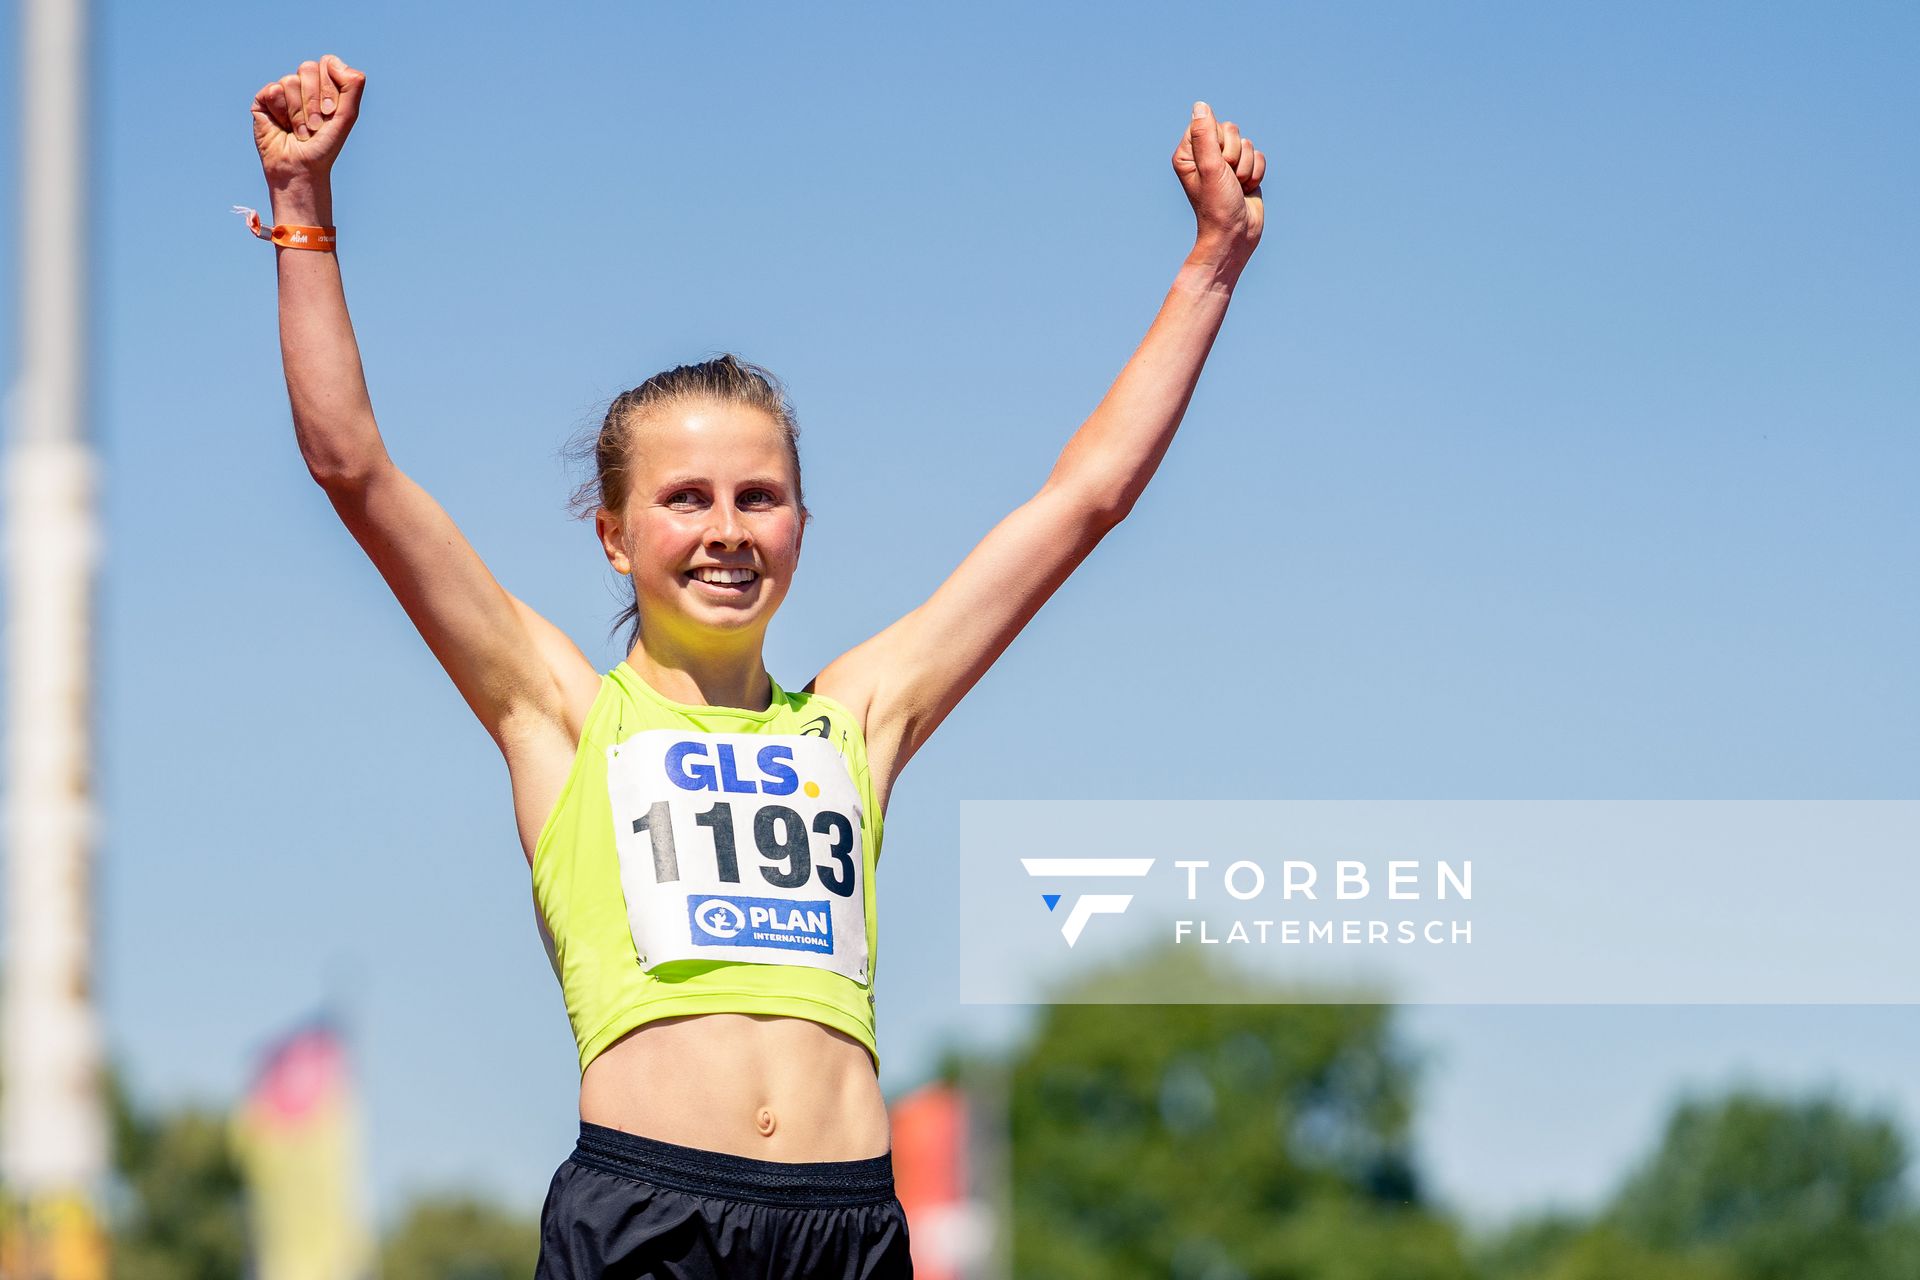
300 121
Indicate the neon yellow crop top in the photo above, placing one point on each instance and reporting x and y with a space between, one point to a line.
711 860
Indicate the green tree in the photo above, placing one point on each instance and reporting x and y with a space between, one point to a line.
1247 1141
1562 1247
458 1238
1601 1253
1525 1249
1740 1187
177 1212
1784 1190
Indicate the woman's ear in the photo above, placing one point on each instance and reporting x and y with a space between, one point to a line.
607 525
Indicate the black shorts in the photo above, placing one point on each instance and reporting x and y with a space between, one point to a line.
625 1207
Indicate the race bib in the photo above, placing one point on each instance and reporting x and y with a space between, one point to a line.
739 846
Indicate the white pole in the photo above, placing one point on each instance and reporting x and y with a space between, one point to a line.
53 1131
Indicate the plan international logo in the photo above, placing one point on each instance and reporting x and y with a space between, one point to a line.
1087 905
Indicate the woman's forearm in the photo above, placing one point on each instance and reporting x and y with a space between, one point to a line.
332 414
1116 451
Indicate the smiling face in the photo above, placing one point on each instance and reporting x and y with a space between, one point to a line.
710 533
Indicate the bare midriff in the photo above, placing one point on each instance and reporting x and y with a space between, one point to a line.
783 1089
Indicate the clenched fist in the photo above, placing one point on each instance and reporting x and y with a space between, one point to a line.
1221 172
301 120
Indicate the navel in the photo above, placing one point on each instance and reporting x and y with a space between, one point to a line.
765 1122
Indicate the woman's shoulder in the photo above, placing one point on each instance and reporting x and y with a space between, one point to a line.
822 715
846 683
834 693
815 700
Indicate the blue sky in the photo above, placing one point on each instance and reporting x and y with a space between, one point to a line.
1560 444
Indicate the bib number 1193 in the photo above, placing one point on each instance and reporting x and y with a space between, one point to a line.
743 847
782 836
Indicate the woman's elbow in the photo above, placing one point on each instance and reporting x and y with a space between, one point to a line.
1095 509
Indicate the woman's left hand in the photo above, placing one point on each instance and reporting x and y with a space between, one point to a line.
1221 172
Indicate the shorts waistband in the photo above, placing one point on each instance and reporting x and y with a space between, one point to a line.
825 1184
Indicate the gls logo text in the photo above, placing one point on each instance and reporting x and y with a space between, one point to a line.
1087 905
691 768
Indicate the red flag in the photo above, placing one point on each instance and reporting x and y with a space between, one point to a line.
948 1226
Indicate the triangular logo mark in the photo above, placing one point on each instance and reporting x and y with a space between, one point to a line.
1051 899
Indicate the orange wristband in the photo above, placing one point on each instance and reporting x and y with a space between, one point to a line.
287 235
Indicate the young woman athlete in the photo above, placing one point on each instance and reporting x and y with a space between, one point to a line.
702 840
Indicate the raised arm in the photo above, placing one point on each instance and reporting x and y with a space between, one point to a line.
513 668
905 680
